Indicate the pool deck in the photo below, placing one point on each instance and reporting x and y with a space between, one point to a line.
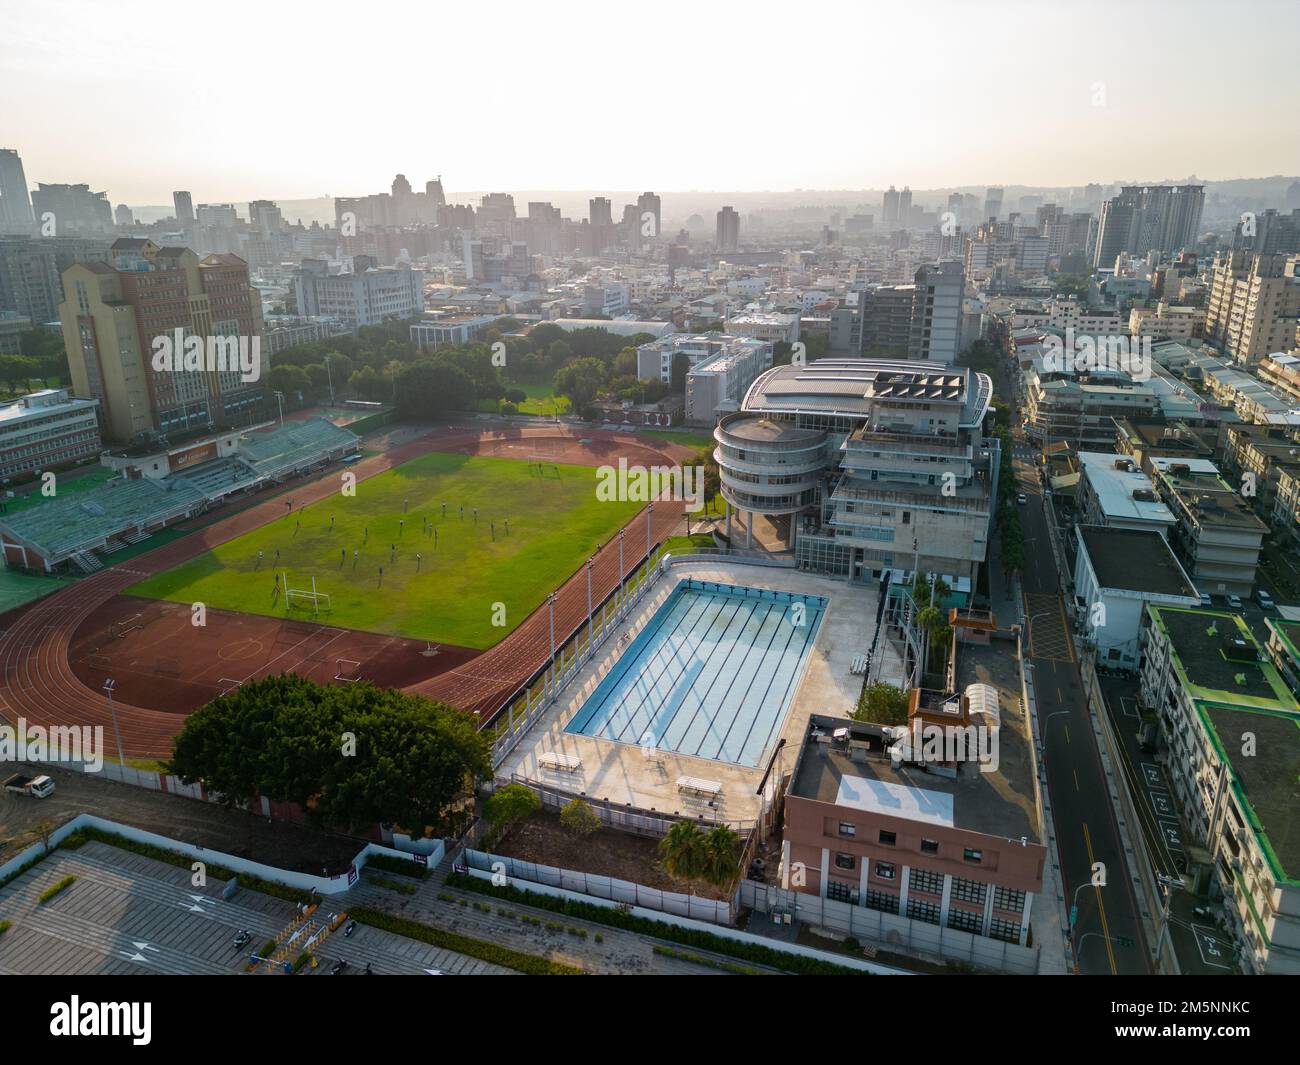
624 774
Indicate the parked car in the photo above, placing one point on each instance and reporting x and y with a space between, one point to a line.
1234 601
37 787
1206 600
1022 499
1264 599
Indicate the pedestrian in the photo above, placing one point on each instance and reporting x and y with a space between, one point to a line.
418 558
365 534
343 555
401 526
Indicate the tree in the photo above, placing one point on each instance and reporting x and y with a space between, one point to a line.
291 380
579 818
718 862
17 370
509 805
682 850
581 381
881 704
350 756
430 388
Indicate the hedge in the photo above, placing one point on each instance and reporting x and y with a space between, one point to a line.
55 889
5 926
401 866
689 937
531 964
712 963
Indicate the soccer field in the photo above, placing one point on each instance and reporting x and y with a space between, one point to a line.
450 594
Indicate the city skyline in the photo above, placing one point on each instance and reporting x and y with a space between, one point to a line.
949 126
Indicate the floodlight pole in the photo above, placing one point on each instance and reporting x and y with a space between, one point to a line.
589 623
621 570
550 599
121 755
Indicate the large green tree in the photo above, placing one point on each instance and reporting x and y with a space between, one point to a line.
350 755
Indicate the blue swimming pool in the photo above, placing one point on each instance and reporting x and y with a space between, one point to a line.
711 674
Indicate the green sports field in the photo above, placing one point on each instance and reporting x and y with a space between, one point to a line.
555 520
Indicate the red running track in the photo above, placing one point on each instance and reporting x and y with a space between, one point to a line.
37 682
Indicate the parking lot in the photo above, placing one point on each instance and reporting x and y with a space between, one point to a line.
125 914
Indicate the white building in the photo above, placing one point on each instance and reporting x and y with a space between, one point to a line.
453 330
375 295
1114 492
765 325
1116 572
716 385
45 429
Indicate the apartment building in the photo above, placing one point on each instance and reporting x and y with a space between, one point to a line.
1255 457
31 272
1253 304
1215 533
876 465
47 429
1167 322
1114 493
716 385
71 210
764 325
1117 572
1233 388
656 358
363 297
1160 218
1232 731
871 822
1082 411
112 316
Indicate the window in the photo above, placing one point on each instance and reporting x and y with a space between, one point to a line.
926 881
966 921
968 890
1007 931
923 911
841 892
848 828
885 870
929 846
880 900
888 838
1009 899
972 855
844 861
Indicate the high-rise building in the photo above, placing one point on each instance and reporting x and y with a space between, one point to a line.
889 209
1269 232
433 192
31 269
366 296
728 238
905 208
1144 218
71 210
15 202
935 335
992 204
183 206
113 317
648 204
1254 303
600 211
123 216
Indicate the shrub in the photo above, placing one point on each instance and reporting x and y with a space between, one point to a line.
55 889
392 885
401 866
690 937
5 926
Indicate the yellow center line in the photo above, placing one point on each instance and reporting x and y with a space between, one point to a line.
1101 906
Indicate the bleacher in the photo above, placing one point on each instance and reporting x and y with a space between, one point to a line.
296 446
220 477
61 528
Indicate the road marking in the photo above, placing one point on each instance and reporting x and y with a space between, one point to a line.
1101 906
1076 780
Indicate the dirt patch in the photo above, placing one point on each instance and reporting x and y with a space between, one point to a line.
606 852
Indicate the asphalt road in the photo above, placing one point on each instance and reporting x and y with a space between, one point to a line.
1108 934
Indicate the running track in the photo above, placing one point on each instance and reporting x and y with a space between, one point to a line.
38 683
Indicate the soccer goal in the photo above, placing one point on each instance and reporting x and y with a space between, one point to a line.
122 626
348 670
304 598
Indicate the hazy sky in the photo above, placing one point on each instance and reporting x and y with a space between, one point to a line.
240 100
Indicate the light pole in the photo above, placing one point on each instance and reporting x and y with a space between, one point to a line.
279 398
589 623
550 599
109 684
1169 884
330 374
649 537
621 570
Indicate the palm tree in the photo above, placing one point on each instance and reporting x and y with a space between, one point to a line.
720 855
682 850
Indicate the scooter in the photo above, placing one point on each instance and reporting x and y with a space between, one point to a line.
242 937
349 928
339 966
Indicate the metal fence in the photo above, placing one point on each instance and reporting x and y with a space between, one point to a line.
890 931
625 892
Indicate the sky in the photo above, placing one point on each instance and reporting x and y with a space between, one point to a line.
289 100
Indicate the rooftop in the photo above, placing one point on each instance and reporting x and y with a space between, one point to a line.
999 803
1218 659
1267 783
1138 560
1117 489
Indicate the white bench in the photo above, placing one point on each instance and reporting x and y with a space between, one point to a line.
562 763
699 786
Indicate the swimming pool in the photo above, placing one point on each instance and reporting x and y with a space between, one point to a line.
710 675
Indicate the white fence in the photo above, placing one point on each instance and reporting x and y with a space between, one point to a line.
890 931
333 885
715 911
